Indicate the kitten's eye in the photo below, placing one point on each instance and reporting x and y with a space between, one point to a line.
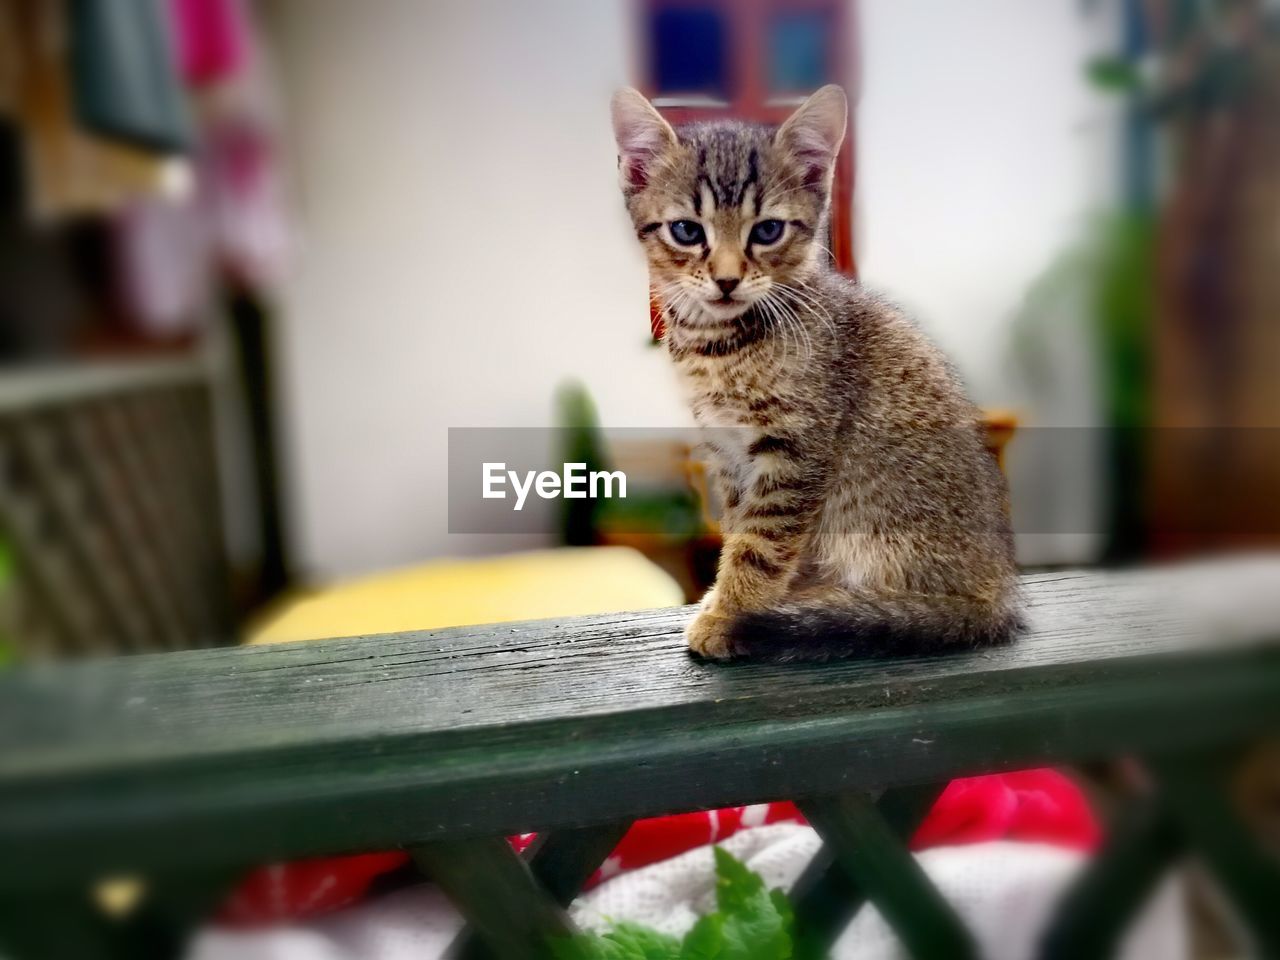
687 232
766 232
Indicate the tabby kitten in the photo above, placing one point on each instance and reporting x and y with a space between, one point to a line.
862 514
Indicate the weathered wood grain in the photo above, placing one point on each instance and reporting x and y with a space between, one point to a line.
215 756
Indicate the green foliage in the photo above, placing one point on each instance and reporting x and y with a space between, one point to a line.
664 511
672 513
582 441
749 923
1125 314
626 941
1113 271
1114 73
1113 264
1198 65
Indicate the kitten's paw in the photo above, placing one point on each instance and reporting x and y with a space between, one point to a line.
708 636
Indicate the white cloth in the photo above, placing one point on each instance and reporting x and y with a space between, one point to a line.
1004 892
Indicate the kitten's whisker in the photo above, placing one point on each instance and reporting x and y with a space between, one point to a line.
780 324
793 330
825 249
810 302
673 299
771 317
779 194
793 322
794 178
815 296
798 303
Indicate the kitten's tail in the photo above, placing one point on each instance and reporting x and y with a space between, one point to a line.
867 626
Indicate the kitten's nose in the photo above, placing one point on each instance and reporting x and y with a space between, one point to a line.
727 286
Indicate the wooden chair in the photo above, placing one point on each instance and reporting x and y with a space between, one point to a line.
109 501
184 768
111 505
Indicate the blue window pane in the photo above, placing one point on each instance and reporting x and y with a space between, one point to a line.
687 51
798 53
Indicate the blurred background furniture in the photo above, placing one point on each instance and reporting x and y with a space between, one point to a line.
111 510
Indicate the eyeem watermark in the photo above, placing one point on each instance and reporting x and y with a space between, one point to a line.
1058 475
573 482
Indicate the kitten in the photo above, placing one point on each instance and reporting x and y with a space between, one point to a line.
862 514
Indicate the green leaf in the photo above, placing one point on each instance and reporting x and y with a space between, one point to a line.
583 947
642 943
750 923
783 906
626 941
706 940
588 946
737 888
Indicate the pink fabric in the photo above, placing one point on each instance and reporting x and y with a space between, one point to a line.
1035 806
211 38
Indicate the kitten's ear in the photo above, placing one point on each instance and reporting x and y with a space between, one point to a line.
813 133
642 136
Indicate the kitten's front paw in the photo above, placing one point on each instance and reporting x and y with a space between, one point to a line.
708 636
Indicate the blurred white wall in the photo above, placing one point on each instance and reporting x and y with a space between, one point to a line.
463 246
981 151
982 155
464 249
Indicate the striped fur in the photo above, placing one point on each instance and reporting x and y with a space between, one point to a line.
862 515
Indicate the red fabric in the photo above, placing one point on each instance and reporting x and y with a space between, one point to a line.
661 838
305 888
1032 806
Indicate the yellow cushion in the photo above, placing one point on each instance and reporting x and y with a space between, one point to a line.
447 593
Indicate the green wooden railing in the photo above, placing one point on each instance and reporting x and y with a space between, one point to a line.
186 768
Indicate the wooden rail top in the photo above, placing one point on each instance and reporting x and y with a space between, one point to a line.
236 756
